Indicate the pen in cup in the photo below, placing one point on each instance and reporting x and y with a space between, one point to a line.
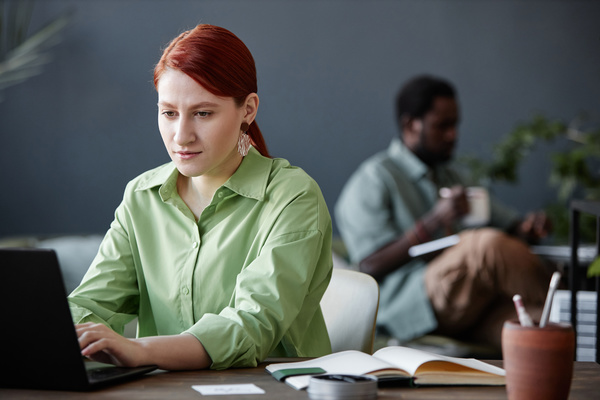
548 304
524 317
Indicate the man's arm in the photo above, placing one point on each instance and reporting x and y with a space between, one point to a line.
395 254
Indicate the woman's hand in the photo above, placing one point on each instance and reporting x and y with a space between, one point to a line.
100 343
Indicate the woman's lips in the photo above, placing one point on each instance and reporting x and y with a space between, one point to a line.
187 155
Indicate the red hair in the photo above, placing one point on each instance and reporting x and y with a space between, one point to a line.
220 62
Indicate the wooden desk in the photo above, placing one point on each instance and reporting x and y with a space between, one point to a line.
178 385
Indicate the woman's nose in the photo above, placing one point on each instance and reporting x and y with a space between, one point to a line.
184 132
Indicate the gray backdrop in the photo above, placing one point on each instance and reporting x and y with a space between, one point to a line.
328 71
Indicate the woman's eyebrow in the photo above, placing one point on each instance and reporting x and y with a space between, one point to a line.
202 104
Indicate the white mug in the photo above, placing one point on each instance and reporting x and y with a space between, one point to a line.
479 204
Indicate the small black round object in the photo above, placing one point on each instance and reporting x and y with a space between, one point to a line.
339 386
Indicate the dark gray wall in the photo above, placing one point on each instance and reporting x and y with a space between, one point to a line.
328 71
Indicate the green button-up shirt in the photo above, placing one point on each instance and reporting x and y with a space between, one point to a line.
382 200
246 278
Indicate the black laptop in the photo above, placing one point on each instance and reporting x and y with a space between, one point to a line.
39 343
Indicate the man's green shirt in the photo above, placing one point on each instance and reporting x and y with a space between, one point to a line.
246 278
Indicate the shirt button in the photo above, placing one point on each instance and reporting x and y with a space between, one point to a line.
220 195
195 244
186 291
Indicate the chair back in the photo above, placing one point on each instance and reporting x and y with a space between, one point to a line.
349 307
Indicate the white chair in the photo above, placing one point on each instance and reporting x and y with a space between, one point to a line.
349 307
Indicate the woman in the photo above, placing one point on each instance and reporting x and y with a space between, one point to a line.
222 254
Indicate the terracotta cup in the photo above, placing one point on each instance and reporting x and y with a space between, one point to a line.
538 361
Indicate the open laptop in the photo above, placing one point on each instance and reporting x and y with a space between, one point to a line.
39 343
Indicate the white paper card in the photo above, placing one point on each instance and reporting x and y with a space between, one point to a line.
215 390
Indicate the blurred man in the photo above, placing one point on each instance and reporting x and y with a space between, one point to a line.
409 194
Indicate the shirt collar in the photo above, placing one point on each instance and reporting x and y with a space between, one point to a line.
249 180
405 159
252 176
165 177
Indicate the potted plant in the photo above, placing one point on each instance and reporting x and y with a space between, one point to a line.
574 172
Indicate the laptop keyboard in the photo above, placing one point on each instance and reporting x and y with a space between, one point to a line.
104 373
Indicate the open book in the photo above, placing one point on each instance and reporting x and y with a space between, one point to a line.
420 367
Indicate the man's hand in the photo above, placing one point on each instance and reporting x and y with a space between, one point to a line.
534 227
452 206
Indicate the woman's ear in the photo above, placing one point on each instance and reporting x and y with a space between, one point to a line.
250 107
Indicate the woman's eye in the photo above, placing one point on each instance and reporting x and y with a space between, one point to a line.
203 113
168 113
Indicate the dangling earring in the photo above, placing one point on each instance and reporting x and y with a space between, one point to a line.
244 140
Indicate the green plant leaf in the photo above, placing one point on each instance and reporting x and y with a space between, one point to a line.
594 268
23 56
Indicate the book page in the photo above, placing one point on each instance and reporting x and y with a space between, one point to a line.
411 359
350 362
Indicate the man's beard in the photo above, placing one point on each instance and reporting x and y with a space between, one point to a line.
428 157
